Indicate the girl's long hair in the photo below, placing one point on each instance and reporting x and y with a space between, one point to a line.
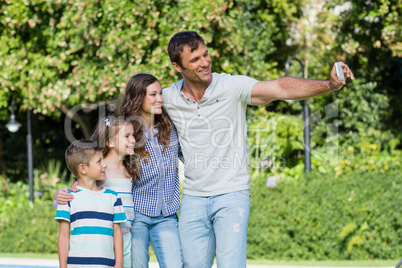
106 129
133 98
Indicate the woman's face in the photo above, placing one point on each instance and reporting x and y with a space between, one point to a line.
153 100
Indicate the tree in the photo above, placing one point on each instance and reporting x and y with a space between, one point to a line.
58 54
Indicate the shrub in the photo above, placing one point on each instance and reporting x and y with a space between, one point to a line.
273 138
26 226
354 216
29 228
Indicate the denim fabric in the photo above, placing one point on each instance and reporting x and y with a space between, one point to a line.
215 224
163 234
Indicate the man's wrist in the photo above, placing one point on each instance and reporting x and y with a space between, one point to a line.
329 86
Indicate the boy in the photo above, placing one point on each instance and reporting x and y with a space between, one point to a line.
93 216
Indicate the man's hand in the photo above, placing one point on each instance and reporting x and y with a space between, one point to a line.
334 82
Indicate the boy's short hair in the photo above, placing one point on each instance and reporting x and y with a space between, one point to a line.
80 152
179 40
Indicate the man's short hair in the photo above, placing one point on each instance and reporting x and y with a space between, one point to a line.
177 43
80 152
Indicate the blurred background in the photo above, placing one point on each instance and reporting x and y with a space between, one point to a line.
58 56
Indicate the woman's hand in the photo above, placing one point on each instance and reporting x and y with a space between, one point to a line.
62 196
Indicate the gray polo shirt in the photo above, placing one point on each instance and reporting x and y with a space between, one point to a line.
212 134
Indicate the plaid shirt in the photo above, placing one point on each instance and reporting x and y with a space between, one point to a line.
156 191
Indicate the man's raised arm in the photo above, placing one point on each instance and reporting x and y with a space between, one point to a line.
288 88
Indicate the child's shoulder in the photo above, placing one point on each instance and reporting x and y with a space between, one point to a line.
85 192
72 192
108 191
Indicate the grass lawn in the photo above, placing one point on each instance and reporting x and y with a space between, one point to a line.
363 263
338 263
29 255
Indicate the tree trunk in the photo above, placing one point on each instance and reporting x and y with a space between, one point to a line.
74 115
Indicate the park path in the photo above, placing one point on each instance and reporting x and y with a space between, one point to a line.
46 263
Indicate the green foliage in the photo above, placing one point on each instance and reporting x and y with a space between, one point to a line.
365 158
56 54
355 216
368 161
63 53
46 180
358 114
275 141
274 137
27 226
12 196
362 34
370 34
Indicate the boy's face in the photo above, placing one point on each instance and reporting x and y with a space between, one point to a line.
96 168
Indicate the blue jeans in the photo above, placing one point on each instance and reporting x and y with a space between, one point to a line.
217 223
163 234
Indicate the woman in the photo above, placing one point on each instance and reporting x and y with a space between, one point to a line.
156 192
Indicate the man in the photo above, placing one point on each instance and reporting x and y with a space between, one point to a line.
209 112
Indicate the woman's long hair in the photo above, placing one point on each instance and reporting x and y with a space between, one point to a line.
131 107
107 129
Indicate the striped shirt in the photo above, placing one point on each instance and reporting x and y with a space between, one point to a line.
156 191
91 215
122 187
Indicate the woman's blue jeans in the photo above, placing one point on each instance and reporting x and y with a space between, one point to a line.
163 234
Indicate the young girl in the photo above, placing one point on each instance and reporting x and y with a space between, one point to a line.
156 192
116 135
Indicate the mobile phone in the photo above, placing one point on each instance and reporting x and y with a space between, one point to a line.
339 71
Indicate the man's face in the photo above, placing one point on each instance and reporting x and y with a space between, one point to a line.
196 65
